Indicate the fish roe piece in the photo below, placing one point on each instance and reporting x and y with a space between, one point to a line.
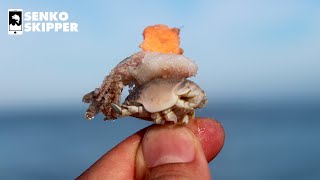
161 38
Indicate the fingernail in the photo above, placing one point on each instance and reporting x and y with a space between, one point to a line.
168 144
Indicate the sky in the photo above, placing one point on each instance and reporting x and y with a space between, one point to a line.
245 50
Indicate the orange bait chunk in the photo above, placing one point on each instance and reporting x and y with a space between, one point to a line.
161 38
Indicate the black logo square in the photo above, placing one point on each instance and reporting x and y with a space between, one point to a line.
15 21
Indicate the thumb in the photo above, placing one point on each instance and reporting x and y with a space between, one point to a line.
171 152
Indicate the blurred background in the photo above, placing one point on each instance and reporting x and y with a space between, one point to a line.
259 62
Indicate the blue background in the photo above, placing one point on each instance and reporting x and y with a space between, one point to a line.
258 62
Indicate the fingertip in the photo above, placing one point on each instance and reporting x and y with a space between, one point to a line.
171 152
210 134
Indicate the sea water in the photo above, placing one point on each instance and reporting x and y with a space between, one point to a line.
263 141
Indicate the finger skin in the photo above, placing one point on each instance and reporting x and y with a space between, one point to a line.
178 143
119 162
211 135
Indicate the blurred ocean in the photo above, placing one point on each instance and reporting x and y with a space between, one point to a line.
263 141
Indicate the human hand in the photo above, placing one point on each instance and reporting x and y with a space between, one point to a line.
162 152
